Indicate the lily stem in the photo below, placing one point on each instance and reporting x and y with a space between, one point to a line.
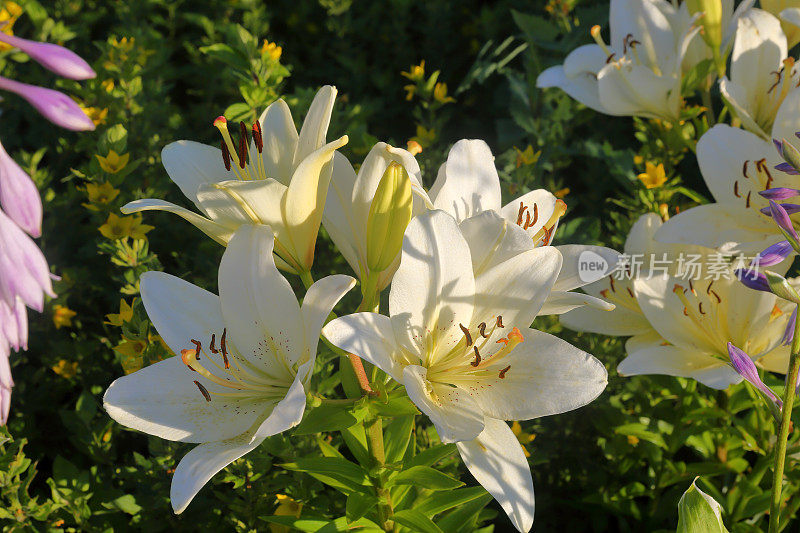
374 430
783 434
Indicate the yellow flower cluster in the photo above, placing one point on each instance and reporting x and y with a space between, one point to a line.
117 227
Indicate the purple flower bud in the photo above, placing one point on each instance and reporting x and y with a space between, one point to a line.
747 369
53 57
23 268
781 218
19 196
779 193
55 106
773 255
786 168
753 279
788 335
790 209
778 146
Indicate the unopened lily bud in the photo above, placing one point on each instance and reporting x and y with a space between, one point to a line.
389 214
711 20
781 287
781 218
790 154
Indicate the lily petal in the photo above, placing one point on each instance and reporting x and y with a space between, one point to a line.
315 125
191 164
498 463
674 361
216 231
280 141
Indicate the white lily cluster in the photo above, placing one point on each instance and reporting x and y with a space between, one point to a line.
679 325
467 276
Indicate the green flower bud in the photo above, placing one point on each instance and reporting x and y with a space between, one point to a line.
389 215
711 20
781 287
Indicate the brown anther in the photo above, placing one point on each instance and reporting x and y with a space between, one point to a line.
535 213
747 200
630 292
528 222
477 360
610 58
548 235
700 308
482 330
716 296
466 335
736 189
203 391
197 347
502 374
604 293
744 168
211 346
257 137
685 312
522 209
243 146
500 321
226 155
691 288
611 282
224 348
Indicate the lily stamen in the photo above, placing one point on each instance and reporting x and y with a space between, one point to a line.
203 390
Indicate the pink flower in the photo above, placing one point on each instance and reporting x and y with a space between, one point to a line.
58 59
19 196
23 268
55 106
5 384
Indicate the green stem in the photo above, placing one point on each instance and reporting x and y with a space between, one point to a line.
306 278
706 96
374 430
783 434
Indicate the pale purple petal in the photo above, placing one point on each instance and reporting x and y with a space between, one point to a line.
5 384
773 255
53 57
781 218
753 279
55 106
790 209
14 324
19 196
23 269
779 193
747 369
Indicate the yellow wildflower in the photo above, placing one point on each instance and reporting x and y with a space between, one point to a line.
66 369
123 44
523 437
8 16
99 194
117 227
125 314
97 115
440 94
62 316
416 72
638 160
113 162
632 440
410 91
424 137
286 507
414 147
653 176
108 85
272 50
527 156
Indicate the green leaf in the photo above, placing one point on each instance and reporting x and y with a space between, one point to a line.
696 75
640 431
396 437
432 455
324 525
339 473
416 521
358 505
426 477
356 439
464 515
397 404
448 500
699 513
126 504
326 418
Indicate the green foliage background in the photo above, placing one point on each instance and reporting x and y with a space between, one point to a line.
619 464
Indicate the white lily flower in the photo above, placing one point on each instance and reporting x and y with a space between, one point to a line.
468 186
761 74
460 344
698 50
349 199
638 72
736 165
279 179
681 326
246 358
